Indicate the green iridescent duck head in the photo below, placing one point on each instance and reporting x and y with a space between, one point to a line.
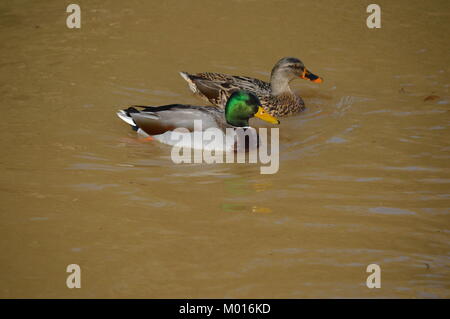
241 106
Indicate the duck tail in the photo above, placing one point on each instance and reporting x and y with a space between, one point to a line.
188 78
125 115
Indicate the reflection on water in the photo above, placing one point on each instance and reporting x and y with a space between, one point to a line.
364 172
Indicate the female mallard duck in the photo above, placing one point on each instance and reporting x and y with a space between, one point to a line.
160 122
276 97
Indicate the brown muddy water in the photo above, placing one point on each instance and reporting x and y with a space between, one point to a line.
364 173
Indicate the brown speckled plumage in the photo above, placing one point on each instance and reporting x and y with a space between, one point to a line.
276 97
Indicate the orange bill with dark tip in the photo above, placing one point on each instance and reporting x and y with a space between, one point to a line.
310 76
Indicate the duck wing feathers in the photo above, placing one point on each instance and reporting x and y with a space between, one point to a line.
158 120
217 87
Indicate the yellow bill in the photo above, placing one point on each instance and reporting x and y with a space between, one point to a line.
263 115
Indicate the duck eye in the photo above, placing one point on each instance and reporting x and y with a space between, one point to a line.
295 67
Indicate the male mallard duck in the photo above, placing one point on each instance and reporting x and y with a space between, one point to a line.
160 122
276 97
